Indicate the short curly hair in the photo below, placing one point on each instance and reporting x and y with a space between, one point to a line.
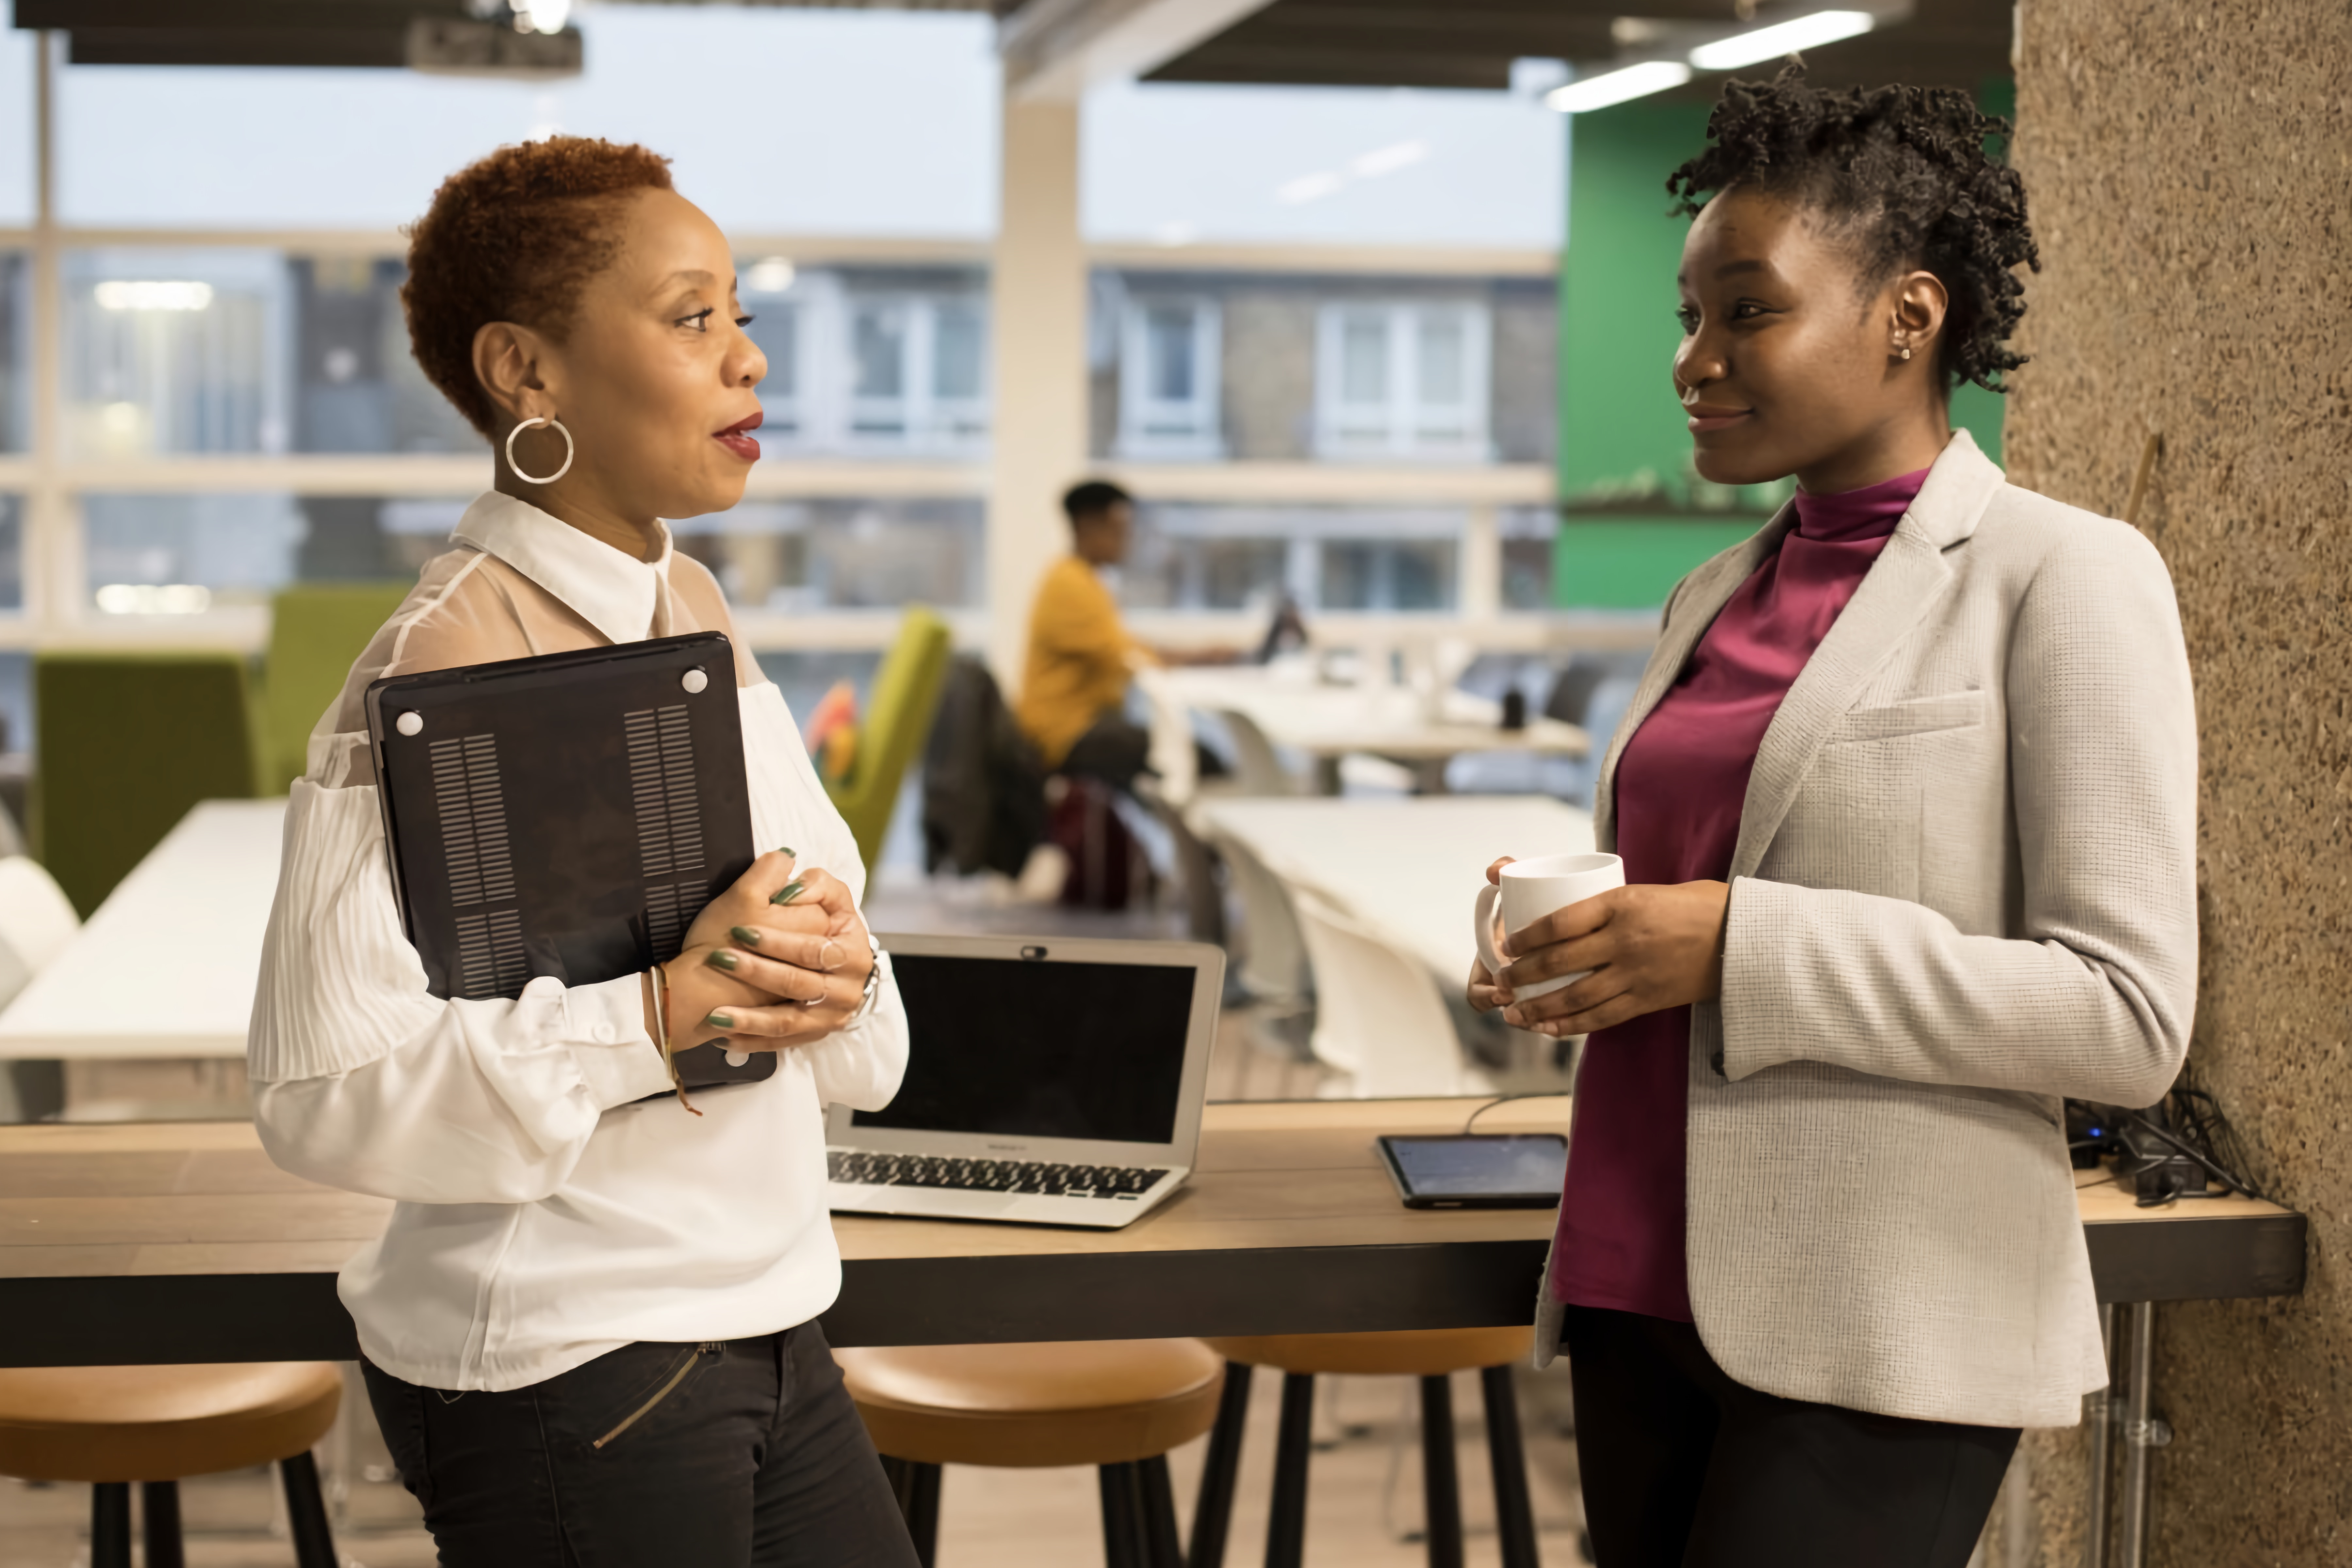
514 238
1905 173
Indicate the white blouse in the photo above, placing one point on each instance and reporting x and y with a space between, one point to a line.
547 1212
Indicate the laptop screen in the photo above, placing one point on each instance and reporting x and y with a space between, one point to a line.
1040 1049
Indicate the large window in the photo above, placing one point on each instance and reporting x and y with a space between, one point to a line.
871 360
167 553
797 556
1403 381
1169 362
1355 560
16 353
212 350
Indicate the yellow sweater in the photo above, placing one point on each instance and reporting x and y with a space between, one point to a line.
1079 656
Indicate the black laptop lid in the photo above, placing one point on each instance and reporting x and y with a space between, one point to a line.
566 815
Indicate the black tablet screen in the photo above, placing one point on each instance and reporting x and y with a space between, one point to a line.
1483 1165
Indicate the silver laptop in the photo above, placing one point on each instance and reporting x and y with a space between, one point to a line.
1050 1080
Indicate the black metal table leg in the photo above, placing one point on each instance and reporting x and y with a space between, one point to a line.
1164 1549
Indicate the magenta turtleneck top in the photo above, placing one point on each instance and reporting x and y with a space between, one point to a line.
1681 786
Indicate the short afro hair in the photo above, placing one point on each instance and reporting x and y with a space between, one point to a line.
1092 499
514 238
1905 171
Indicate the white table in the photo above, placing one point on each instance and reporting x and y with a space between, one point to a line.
1408 868
165 967
1390 721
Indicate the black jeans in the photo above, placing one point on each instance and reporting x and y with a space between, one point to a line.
653 1456
1112 750
1683 1468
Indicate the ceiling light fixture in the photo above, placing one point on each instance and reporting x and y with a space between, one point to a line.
1781 38
124 294
1618 86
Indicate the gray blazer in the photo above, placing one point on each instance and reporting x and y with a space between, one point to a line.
1965 887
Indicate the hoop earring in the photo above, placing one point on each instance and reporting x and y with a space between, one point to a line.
569 450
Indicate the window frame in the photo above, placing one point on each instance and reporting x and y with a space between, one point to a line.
1202 438
1400 432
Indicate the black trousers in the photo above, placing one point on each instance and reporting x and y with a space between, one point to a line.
1113 750
1683 1468
725 1455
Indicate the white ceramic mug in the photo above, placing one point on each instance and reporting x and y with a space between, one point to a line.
1531 889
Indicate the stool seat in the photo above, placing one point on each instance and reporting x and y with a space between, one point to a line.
161 1423
1406 1352
1103 1402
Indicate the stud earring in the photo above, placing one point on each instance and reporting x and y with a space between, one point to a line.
1906 351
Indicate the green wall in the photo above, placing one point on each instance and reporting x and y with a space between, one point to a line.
1638 516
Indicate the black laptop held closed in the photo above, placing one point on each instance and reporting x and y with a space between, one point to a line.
567 816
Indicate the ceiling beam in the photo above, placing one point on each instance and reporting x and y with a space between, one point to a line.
1055 50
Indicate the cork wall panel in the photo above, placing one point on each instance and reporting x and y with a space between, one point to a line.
2190 171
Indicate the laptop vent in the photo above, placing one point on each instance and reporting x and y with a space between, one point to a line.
661 772
473 820
670 823
489 955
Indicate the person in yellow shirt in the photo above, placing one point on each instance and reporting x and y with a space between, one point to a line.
1081 659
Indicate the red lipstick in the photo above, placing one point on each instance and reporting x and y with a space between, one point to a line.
737 438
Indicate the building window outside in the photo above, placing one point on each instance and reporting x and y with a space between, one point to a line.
1357 559
176 554
11 554
1527 534
860 364
1405 381
803 556
1169 366
16 353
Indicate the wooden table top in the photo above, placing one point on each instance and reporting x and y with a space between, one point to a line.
182 1242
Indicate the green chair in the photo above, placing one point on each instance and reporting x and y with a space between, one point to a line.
897 722
128 743
317 631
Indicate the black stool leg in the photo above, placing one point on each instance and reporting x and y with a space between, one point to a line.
1213 1510
158 1501
1441 1488
1514 1515
110 1525
1123 1517
306 1512
1285 1527
916 1489
1163 1549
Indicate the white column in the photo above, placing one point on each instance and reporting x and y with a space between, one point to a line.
51 566
1038 399
1478 594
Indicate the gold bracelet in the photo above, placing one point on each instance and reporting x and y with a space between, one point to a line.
661 1034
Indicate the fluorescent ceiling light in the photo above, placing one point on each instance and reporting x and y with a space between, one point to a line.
1617 86
121 295
1781 38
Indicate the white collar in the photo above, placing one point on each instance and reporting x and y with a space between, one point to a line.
612 590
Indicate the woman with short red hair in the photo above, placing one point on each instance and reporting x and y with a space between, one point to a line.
588 1329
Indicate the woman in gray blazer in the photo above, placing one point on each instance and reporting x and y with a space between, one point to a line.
1908 805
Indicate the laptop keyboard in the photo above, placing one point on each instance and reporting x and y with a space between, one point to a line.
865 1168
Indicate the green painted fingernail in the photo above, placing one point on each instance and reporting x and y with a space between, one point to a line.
788 849
719 958
792 890
720 1020
747 936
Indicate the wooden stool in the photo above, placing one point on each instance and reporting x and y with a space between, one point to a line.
111 1425
1429 1354
1118 1405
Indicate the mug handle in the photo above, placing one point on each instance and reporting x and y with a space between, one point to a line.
1485 930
